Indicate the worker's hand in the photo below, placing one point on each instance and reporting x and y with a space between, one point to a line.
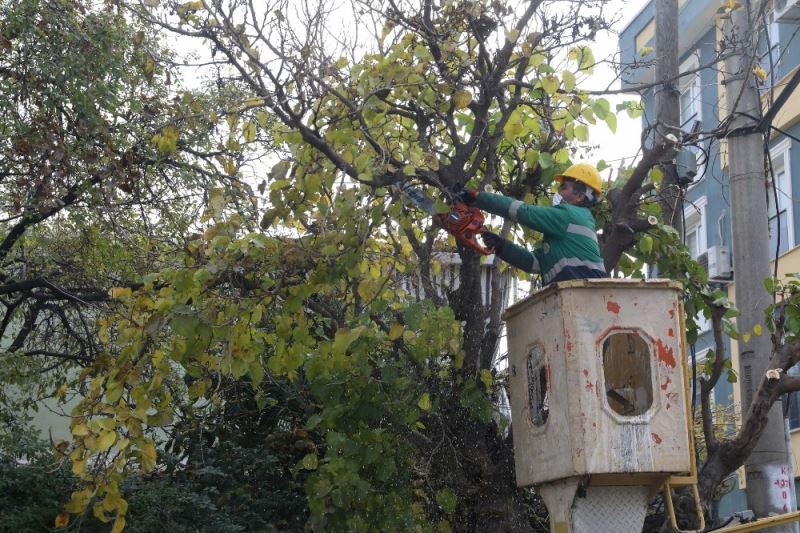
468 196
493 240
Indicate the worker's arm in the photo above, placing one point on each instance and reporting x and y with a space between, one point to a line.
548 220
511 253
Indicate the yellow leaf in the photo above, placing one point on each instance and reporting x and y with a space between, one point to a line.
487 378
746 336
513 129
550 84
396 331
61 391
106 440
79 467
102 332
645 50
99 512
120 292
760 73
757 330
107 423
261 117
62 520
80 429
462 98
119 524
249 131
424 402
148 456
149 67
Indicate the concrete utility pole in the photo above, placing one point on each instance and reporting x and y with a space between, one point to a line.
668 113
767 467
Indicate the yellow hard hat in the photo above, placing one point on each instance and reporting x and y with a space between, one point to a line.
586 174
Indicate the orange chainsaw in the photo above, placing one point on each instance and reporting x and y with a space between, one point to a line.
464 222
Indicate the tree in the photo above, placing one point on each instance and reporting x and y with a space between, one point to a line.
460 93
103 167
105 163
397 390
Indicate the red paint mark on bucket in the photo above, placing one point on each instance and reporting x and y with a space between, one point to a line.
671 332
672 313
613 307
656 437
666 383
664 353
672 396
668 406
586 372
568 347
589 386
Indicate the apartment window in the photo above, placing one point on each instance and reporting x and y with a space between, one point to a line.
690 100
771 49
695 237
695 227
689 87
779 210
690 105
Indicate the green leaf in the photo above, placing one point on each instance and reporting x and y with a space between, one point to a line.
601 108
569 80
424 402
280 170
771 284
646 244
447 500
309 462
611 121
545 160
413 316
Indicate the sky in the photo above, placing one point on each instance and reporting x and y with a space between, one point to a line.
612 148
625 144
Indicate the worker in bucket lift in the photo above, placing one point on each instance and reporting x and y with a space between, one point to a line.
569 248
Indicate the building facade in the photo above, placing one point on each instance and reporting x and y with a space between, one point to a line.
707 209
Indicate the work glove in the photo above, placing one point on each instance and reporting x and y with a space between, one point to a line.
493 240
468 196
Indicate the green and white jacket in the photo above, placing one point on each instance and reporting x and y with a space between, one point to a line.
569 249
